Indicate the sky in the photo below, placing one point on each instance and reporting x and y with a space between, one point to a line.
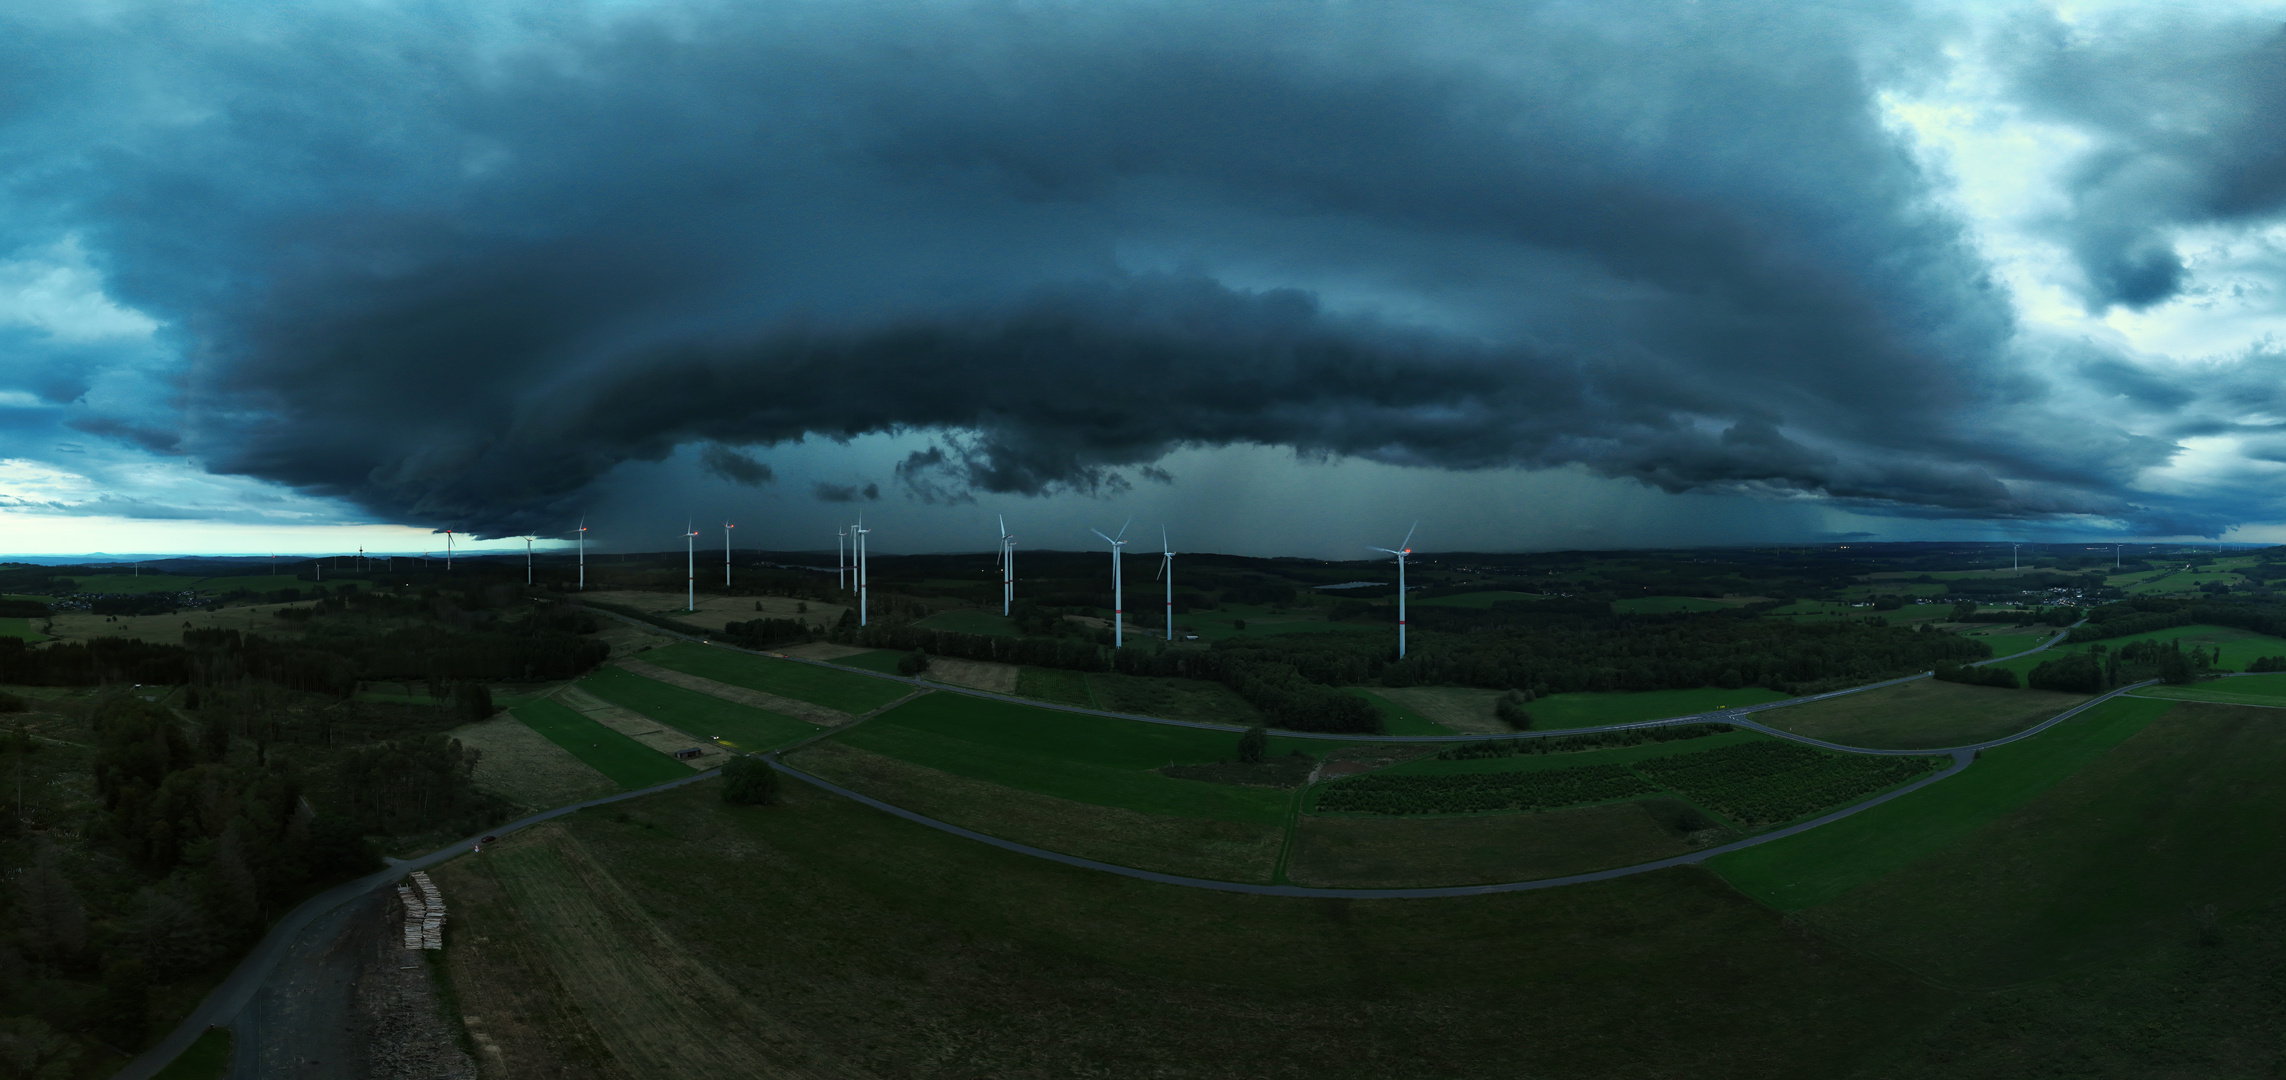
1279 278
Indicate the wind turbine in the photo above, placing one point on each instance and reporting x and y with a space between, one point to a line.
1167 567
448 551
726 527
1007 567
1403 550
858 533
583 552
690 566
2014 563
1118 597
840 568
528 559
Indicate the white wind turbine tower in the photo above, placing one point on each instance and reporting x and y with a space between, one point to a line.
583 552
840 571
858 532
448 551
1403 550
690 566
1167 567
1007 567
1118 596
528 559
726 527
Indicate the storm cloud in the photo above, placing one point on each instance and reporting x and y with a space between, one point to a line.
457 264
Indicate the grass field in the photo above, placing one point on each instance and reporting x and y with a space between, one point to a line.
844 690
628 763
2107 862
20 628
2244 690
969 621
1482 601
1398 718
1617 755
2239 647
741 727
1660 605
1056 685
1586 709
882 660
1922 714
1372 852
1175 699
1817 866
528 768
1461 708
1190 846
208 1058
889 949
1082 758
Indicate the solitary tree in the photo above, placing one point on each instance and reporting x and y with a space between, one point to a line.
1254 745
749 781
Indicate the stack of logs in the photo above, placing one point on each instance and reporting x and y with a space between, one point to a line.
424 914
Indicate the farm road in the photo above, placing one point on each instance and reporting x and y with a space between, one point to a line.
293 938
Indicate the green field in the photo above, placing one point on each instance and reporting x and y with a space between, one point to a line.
970 621
742 727
1616 755
1660 605
207 1058
1057 685
1175 699
2105 863
1817 866
1818 611
20 628
2239 647
2244 690
882 660
1921 714
1586 709
628 763
1482 601
1396 719
1083 758
844 690
2181 582
908 952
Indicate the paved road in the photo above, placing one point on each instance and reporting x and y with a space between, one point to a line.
225 1004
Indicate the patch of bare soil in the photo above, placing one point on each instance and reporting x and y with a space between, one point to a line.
800 710
627 639
1463 709
974 674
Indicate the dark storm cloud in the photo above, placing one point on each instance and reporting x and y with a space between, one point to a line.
845 493
457 270
2188 119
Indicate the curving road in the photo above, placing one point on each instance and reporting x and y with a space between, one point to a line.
225 1004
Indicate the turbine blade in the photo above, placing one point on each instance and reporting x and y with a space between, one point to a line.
1123 527
1106 539
1408 544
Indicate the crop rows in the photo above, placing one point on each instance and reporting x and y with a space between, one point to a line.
1470 793
1765 783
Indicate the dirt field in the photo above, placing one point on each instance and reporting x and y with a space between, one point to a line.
627 639
550 914
523 766
1193 847
715 611
800 710
974 674
1361 852
1463 709
640 728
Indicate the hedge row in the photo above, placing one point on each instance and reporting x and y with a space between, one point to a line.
1470 793
1767 783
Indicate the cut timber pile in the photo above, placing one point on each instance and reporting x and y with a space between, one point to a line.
425 915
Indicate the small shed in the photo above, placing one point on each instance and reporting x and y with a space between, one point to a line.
689 753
